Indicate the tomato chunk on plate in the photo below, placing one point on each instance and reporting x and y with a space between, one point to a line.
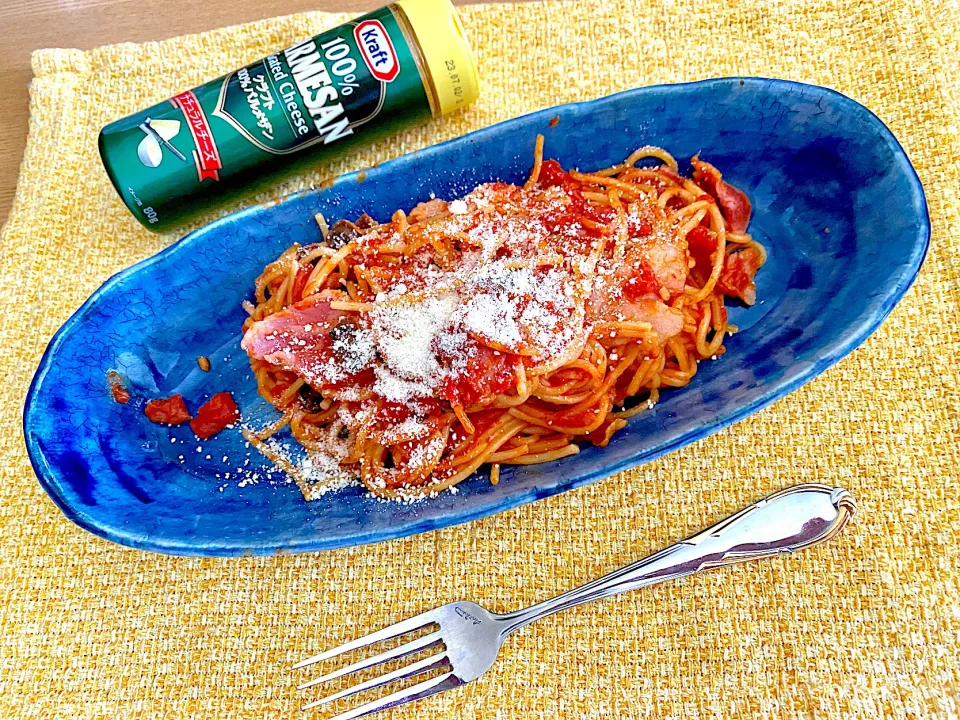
216 414
167 411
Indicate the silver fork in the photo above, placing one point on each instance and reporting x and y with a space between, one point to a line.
468 637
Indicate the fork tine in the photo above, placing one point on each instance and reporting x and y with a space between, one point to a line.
447 681
400 628
400 651
416 668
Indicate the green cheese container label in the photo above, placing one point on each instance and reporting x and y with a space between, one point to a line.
230 136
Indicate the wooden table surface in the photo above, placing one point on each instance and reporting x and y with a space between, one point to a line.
26 25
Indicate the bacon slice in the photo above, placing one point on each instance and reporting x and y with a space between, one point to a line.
665 321
669 264
426 210
733 204
631 292
736 278
296 338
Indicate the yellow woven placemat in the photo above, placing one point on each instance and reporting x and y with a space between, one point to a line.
867 626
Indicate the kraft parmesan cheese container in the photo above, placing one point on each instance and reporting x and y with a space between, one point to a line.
395 66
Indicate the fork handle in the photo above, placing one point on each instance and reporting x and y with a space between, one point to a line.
792 519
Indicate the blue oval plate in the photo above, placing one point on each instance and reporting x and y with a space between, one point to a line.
820 169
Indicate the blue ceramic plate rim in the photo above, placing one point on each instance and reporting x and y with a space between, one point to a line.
832 353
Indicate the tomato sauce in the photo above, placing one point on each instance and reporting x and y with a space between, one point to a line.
118 390
642 282
300 281
486 373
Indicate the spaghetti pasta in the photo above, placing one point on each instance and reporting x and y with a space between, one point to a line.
502 328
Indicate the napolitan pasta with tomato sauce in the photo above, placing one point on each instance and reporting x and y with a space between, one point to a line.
501 328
